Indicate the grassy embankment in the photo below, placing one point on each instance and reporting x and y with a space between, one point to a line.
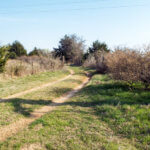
104 115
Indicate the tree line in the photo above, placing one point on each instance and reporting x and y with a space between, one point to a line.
71 49
124 64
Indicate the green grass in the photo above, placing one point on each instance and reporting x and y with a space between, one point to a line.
126 112
67 128
20 107
104 115
13 86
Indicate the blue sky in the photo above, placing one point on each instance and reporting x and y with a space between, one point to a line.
42 23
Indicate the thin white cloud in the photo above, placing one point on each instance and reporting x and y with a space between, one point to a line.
11 19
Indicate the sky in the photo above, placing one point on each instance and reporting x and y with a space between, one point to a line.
42 23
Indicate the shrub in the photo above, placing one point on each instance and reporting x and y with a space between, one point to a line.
12 55
95 57
130 66
101 66
145 70
3 58
124 65
96 61
90 62
31 65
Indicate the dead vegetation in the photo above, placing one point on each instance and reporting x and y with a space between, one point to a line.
129 65
29 65
124 64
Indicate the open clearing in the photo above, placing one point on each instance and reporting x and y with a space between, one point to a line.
103 115
12 86
27 110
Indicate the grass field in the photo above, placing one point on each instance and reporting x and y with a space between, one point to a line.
20 107
16 85
103 115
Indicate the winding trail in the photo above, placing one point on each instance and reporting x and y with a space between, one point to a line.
36 88
10 130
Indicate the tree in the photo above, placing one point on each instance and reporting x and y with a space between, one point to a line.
17 49
3 58
71 48
40 52
35 51
98 46
99 50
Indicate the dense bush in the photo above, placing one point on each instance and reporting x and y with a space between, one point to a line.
123 64
96 61
95 57
101 66
145 69
129 65
90 62
26 65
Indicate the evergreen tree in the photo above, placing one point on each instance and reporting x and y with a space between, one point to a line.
35 51
98 46
71 48
3 58
17 50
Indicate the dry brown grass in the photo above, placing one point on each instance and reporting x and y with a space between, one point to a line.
31 65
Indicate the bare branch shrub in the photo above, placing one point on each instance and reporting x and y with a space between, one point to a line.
145 68
26 65
129 65
97 61
101 66
90 62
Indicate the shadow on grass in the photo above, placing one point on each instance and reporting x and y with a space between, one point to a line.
89 96
119 107
19 104
109 94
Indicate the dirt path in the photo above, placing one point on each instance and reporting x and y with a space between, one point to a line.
8 131
37 88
